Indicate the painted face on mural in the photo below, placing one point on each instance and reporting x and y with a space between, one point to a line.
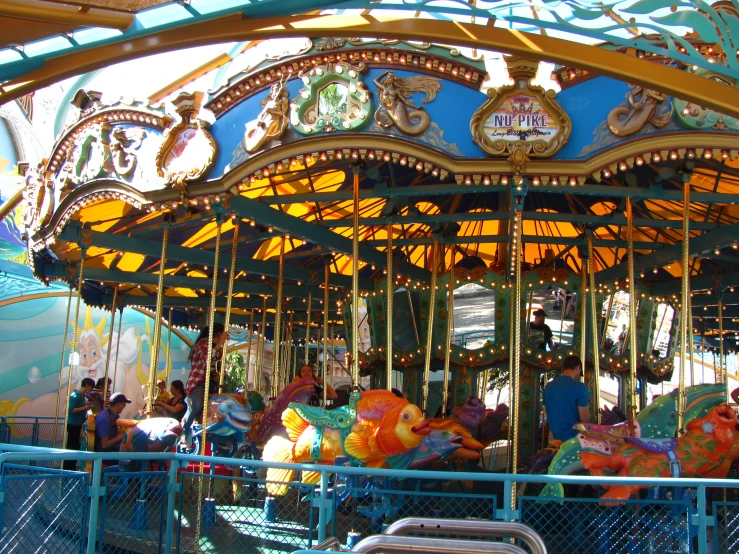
91 361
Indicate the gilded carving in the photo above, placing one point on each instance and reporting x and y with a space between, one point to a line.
521 118
188 150
643 105
123 146
272 121
693 116
396 108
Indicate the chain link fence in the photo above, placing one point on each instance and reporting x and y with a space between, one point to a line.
726 531
238 516
42 509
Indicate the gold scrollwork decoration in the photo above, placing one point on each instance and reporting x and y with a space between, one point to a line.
188 150
521 120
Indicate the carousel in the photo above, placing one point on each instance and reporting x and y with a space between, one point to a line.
460 238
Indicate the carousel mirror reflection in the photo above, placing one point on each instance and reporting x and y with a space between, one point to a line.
474 316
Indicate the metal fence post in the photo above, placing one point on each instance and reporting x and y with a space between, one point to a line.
34 433
323 507
702 520
507 513
96 491
3 430
172 489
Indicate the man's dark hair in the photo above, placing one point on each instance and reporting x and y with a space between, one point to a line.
87 382
571 362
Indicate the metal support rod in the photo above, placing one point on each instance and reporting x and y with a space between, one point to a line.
75 336
593 319
326 274
722 367
389 311
278 321
260 346
515 354
413 315
229 297
169 346
306 358
684 292
117 349
355 285
333 353
110 343
248 357
691 346
391 545
61 368
446 349
430 330
208 365
581 310
634 343
154 365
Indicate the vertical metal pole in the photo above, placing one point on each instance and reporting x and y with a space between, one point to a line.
306 358
323 505
229 297
248 357
332 353
110 341
449 327
171 500
722 366
390 289
355 284
684 292
278 318
580 309
260 346
75 336
92 523
61 369
594 330
154 365
325 333
117 346
208 365
634 343
169 346
515 354
430 330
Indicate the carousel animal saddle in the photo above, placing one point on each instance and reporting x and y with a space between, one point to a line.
666 446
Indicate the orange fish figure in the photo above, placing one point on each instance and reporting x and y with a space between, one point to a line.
372 427
471 448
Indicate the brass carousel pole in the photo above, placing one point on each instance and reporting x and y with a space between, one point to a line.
724 374
430 330
333 353
684 294
594 330
306 358
117 346
634 398
229 297
157 323
691 345
61 369
581 311
355 285
389 310
248 357
515 353
449 325
208 365
260 347
326 271
169 346
75 336
110 343
278 320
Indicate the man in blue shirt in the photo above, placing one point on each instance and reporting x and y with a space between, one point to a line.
107 436
76 415
566 400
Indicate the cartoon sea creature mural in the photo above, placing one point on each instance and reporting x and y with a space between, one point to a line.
707 450
395 106
374 426
299 392
642 109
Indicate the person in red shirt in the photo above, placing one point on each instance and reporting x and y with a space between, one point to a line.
195 387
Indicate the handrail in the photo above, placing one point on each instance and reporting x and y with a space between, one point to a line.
331 543
470 527
388 544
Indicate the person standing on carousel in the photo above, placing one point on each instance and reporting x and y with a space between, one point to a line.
195 387
76 415
306 371
566 400
539 332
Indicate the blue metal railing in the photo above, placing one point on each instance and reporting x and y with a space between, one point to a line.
31 430
683 523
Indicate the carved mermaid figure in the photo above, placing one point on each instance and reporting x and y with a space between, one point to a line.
395 106
272 121
643 106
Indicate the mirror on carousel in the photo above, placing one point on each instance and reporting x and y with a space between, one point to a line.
550 313
361 325
615 337
474 316
661 337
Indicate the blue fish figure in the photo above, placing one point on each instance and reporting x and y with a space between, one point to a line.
437 446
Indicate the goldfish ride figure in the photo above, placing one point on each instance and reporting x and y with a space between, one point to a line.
374 426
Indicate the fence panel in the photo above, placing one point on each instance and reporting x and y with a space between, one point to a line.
132 514
43 510
237 515
726 531
628 527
